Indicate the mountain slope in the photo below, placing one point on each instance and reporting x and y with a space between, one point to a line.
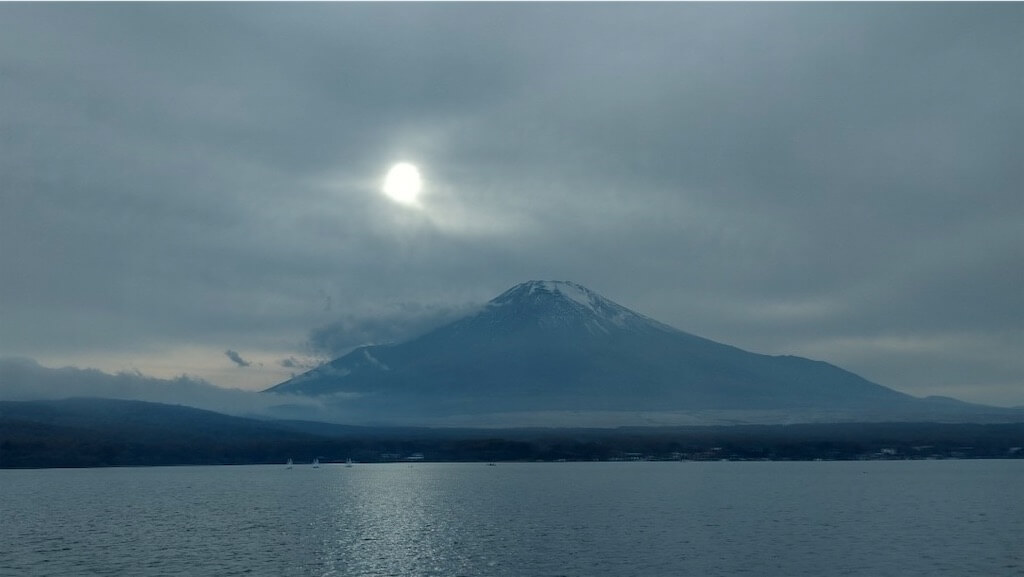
558 346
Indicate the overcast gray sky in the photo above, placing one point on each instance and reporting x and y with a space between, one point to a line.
195 188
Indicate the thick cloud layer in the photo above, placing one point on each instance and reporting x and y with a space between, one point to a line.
395 325
836 181
26 380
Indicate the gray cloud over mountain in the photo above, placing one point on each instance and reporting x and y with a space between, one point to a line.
236 358
24 379
397 324
835 181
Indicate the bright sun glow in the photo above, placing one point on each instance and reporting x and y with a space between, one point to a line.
403 183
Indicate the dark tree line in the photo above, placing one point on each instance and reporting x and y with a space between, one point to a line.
26 444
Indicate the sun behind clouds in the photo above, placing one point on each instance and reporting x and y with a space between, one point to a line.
403 184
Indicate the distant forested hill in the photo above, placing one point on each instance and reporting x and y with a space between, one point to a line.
105 432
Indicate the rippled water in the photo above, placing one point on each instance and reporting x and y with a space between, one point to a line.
544 519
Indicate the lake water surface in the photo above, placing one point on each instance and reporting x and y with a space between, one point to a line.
874 518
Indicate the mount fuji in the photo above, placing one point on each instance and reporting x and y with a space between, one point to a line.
554 353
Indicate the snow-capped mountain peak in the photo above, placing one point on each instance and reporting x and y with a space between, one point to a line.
558 346
563 303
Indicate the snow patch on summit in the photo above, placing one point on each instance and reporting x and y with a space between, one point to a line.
597 314
573 292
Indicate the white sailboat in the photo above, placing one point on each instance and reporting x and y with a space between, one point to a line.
316 462
289 464
348 462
